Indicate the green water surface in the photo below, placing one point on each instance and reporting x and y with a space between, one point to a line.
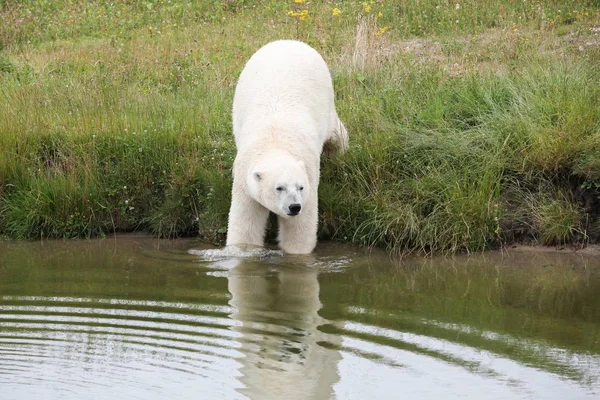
133 317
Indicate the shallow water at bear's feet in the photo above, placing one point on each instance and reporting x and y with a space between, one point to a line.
134 317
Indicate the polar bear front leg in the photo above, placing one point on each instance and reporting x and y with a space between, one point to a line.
247 219
298 235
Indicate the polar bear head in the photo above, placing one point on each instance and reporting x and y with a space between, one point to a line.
280 184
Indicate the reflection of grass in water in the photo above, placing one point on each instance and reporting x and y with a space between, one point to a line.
108 268
556 303
538 314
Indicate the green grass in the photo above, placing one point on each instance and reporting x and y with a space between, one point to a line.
464 134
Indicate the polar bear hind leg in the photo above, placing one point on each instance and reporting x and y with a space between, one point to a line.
337 140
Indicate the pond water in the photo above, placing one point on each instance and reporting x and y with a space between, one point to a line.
133 317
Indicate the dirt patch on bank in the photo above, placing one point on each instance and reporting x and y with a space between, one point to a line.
492 50
592 249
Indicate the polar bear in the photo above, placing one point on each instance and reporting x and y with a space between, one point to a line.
283 116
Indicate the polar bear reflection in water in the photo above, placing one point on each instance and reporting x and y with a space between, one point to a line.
277 309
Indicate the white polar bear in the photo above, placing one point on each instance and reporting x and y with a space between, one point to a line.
283 115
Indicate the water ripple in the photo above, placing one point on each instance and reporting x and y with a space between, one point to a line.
47 340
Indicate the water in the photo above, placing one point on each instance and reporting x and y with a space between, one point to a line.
142 318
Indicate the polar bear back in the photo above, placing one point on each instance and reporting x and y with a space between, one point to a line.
288 81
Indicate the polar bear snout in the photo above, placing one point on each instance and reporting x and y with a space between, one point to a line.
294 209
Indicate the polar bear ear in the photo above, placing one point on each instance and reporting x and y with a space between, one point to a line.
257 175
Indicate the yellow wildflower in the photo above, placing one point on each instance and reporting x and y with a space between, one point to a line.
336 12
379 14
367 7
303 15
300 15
299 1
382 30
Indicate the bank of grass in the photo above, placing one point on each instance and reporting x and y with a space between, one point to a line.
470 125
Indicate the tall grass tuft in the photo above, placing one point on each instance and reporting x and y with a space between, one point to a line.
55 206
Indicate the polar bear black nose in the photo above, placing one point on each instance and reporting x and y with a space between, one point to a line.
295 209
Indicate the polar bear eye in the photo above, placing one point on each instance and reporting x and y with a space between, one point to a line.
280 188
301 188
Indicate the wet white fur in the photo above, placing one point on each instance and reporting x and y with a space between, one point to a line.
283 114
